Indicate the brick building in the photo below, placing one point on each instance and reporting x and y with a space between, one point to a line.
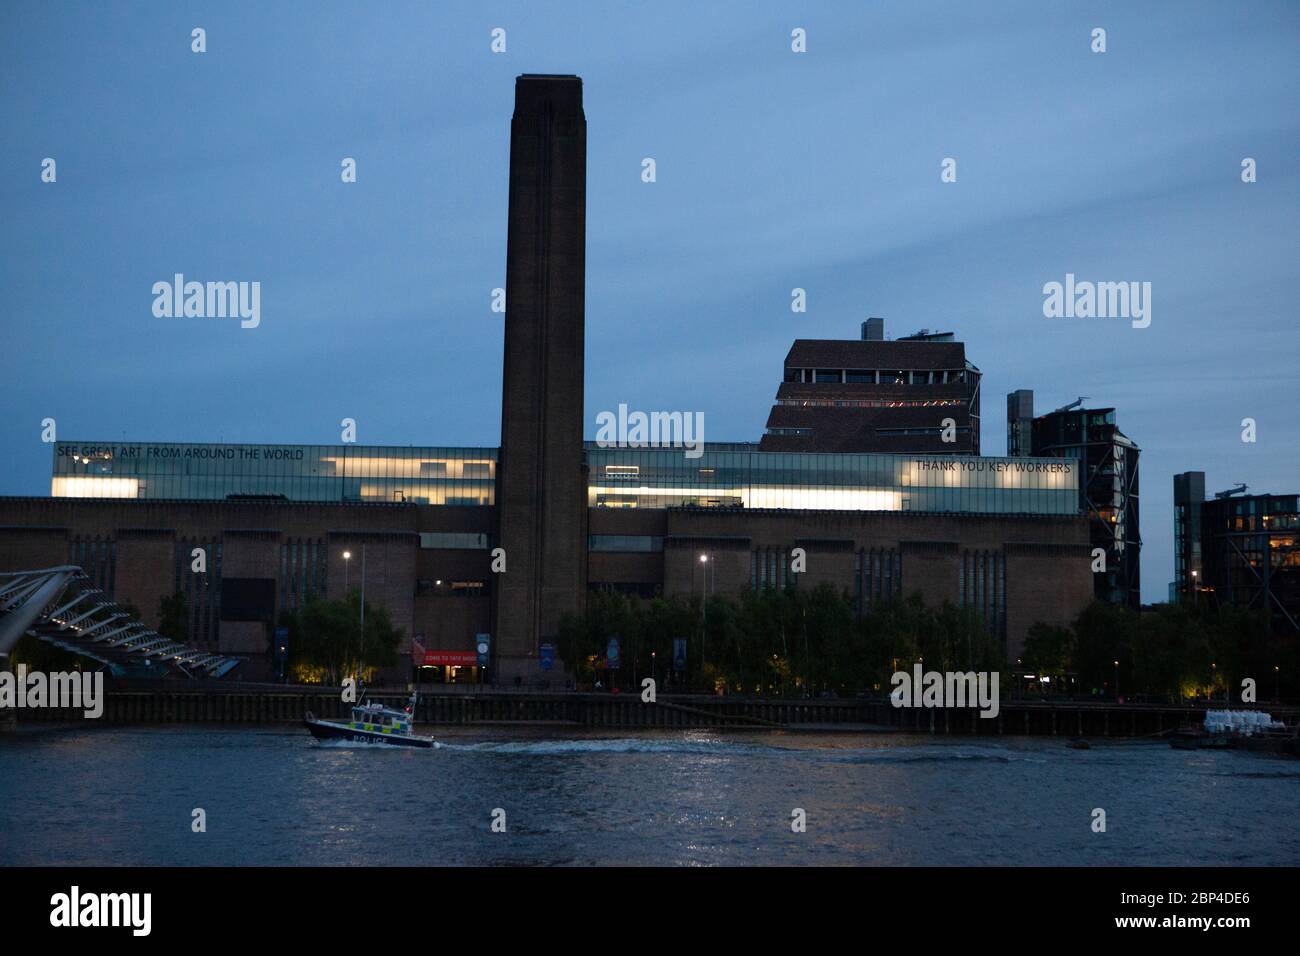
918 393
1005 536
1001 535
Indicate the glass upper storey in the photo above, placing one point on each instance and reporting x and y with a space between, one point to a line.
722 476
740 476
433 476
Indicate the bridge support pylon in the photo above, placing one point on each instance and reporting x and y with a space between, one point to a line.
8 715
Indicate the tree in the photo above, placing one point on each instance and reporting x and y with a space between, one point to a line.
1104 634
325 636
1172 651
893 632
828 618
173 620
1049 650
804 640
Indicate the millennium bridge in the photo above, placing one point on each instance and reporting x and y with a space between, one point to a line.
63 607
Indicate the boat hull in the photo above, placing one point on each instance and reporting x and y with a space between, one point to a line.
1268 743
1258 743
328 730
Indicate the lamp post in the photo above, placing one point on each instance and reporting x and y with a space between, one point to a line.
1277 696
1117 680
706 585
704 612
361 644
347 564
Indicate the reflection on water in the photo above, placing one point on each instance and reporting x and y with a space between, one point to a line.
124 796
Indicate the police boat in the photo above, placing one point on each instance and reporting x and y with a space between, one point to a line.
372 723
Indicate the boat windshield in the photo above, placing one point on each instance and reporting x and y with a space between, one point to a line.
379 717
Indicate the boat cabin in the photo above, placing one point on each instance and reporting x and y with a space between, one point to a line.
379 719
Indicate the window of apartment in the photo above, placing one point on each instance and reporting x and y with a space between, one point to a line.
616 501
828 375
879 576
768 567
982 585
462 540
642 589
624 542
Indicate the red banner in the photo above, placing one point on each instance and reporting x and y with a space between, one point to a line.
453 658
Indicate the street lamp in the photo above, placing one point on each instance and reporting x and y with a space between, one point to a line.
361 643
708 581
1117 680
347 564
704 612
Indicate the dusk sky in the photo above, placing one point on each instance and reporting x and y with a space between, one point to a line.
775 170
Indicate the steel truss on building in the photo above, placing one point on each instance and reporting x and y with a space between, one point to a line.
62 607
1261 594
1129 565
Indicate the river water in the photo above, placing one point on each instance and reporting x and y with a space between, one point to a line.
81 796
